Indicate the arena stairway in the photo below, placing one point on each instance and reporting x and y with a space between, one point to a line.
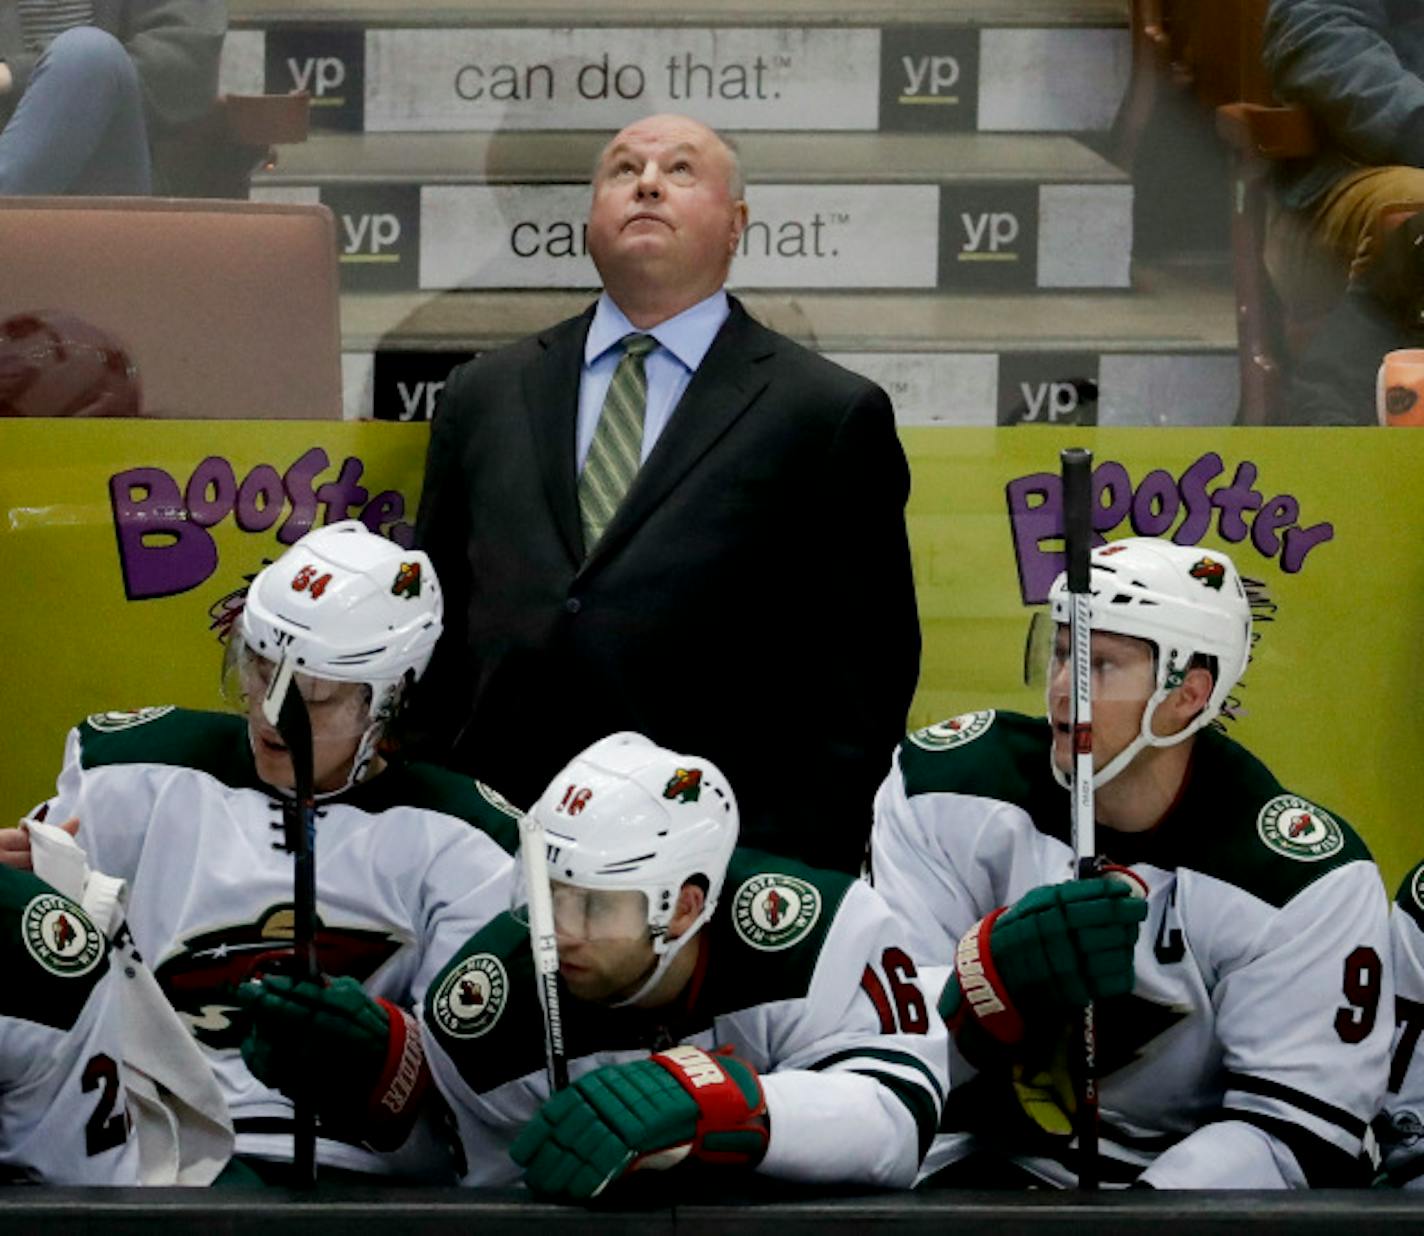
928 202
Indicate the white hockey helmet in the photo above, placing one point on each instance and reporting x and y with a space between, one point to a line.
345 605
1183 600
627 814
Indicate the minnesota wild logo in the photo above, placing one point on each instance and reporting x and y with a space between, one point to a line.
1209 572
955 732
112 722
59 935
472 996
407 582
685 785
1299 829
772 912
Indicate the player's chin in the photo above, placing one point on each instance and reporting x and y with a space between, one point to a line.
274 764
1062 751
584 984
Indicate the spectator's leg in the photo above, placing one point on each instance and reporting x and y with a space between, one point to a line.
1310 257
79 126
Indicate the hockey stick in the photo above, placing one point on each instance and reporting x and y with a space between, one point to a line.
299 825
1077 469
544 943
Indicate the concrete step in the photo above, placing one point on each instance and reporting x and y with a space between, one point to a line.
778 73
959 211
1164 353
247 13
567 157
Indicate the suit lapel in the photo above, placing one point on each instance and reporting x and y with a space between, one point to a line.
551 391
729 379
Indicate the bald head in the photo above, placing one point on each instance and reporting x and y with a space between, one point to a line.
666 216
736 181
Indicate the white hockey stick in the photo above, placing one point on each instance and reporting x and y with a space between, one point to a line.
1077 468
544 943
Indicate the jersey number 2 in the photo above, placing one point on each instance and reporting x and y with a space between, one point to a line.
105 1129
909 1010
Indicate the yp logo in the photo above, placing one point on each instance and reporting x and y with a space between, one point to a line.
329 64
406 385
988 237
929 78
1048 388
377 236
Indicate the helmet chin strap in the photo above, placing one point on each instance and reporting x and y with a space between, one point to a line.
360 764
1144 738
666 950
366 749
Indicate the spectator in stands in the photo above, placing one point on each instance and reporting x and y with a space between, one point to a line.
85 84
1334 380
750 598
1356 65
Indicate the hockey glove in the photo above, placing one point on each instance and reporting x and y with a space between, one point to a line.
1055 949
361 1058
646 1114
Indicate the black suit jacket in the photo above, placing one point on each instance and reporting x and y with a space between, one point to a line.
751 601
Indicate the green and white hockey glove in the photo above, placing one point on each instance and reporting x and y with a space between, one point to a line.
361 1058
650 1113
1023 967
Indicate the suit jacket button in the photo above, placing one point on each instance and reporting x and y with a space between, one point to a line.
573 605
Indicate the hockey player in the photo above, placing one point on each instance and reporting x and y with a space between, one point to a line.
1241 1041
722 1006
62 1112
187 808
1400 1126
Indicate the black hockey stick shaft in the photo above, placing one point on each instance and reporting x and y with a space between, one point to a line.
1077 472
294 726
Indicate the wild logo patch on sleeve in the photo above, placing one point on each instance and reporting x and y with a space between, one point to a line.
772 911
498 801
955 732
1299 829
126 719
59 935
473 995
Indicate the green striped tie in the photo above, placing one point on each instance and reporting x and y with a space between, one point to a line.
616 451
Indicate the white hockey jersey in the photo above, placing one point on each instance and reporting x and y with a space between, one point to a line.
408 866
63 1118
804 972
1400 1127
1253 1049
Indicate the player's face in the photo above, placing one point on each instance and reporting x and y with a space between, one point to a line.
1124 675
338 715
605 950
663 212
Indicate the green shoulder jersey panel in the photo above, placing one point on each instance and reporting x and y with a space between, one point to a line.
766 936
432 788
217 743
1233 820
51 953
1236 823
1003 756
1410 897
484 1007
212 742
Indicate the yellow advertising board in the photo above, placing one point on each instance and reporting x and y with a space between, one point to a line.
125 542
